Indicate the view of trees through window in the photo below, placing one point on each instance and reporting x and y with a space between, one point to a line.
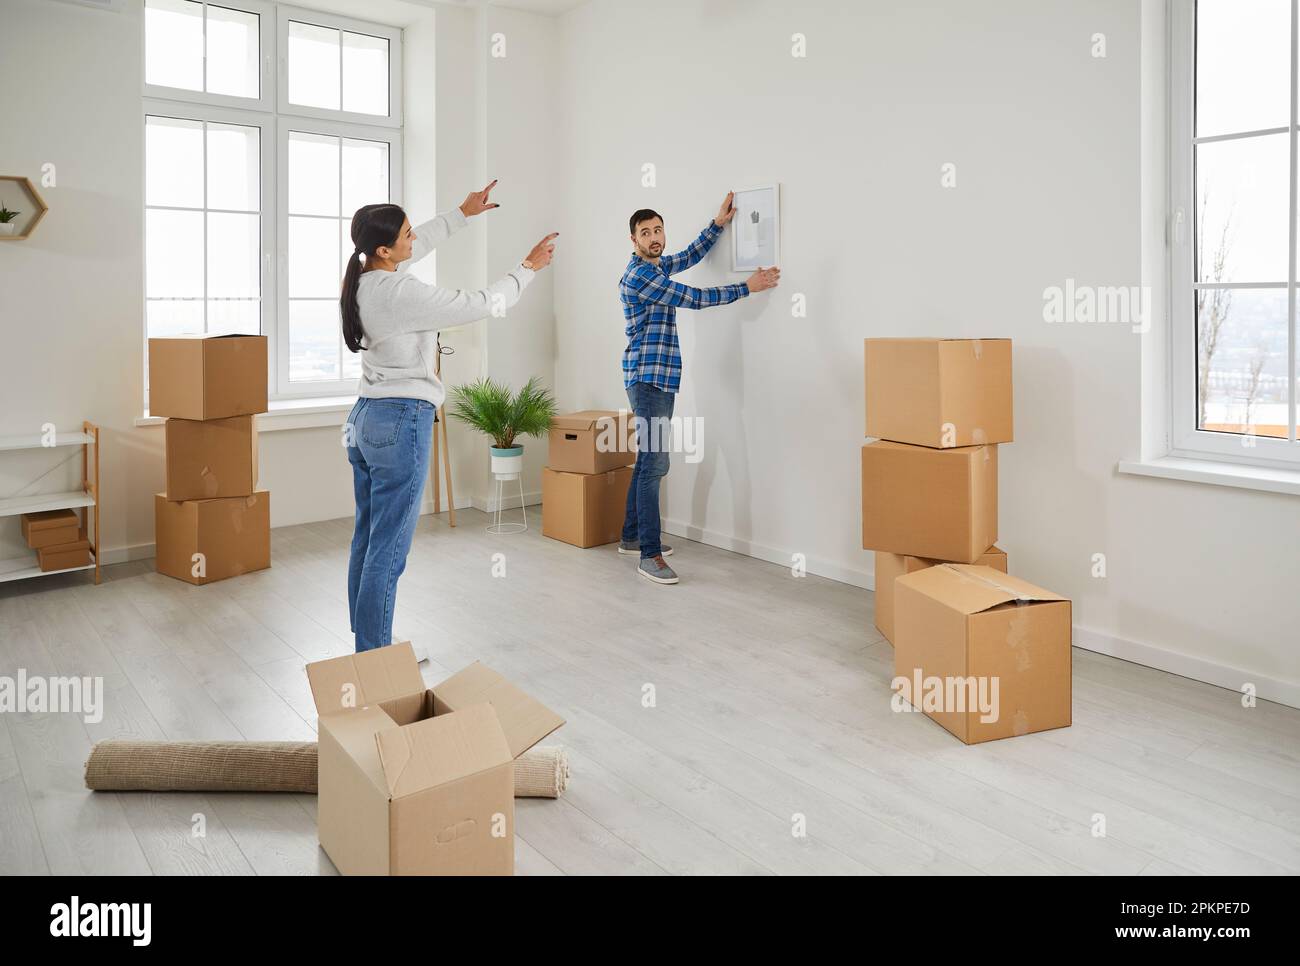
1243 184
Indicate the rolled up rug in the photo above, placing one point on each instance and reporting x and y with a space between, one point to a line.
263 766
202 766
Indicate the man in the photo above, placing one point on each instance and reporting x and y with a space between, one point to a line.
652 363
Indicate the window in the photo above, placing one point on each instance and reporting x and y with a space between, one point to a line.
1233 187
252 175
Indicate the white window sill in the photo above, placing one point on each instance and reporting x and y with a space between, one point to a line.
290 414
1216 473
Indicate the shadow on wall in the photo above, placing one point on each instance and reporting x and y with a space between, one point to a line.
1044 468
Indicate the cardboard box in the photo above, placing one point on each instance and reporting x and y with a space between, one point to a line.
939 503
212 458
50 528
939 392
419 781
232 534
207 376
586 510
890 566
984 654
592 441
64 556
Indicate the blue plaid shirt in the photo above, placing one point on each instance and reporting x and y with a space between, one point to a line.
650 301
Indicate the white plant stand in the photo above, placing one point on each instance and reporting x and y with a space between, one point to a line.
507 465
85 500
511 527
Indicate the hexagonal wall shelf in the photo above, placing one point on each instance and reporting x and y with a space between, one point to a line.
36 207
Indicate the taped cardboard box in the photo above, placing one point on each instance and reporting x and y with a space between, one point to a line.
890 566
939 392
985 654
592 441
938 503
586 510
207 376
210 459
65 556
50 528
200 541
416 780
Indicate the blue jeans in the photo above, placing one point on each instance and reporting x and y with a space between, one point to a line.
388 447
641 523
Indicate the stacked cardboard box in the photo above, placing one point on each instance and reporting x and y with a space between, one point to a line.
58 538
938 409
212 521
584 484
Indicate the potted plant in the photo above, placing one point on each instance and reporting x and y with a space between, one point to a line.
494 411
8 226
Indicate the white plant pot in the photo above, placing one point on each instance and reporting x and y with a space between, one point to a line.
507 464
9 228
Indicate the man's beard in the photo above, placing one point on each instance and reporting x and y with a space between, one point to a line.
652 251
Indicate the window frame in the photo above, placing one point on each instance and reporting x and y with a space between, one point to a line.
274 118
393 35
266 235
1186 439
266 76
338 129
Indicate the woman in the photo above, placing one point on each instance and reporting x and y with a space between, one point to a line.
392 319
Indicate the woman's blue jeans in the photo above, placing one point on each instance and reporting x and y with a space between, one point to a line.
388 446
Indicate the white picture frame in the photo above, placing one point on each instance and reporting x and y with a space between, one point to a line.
756 228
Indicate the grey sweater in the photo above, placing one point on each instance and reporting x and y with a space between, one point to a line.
401 316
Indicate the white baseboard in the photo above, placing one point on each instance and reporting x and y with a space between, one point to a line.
1184 665
508 502
1198 669
845 575
117 555
462 503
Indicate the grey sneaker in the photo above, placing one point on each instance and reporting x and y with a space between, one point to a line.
654 568
635 547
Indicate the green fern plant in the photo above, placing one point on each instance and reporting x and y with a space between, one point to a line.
7 216
494 411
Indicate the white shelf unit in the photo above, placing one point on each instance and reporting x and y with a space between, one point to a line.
86 499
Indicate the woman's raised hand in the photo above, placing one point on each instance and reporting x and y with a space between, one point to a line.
476 202
540 256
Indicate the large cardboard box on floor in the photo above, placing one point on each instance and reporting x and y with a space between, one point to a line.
939 392
232 535
212 458
415 780
924 502
592 441
584 509
890 566
207 376
985 654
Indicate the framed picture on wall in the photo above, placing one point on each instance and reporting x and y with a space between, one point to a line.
756 228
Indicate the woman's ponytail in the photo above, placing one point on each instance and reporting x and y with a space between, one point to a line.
373 227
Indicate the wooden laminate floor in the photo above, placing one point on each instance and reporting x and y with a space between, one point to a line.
771 714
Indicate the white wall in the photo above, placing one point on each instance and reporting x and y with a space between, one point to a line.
73 292
1045 138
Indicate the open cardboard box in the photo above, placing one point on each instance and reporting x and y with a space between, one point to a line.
415 780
